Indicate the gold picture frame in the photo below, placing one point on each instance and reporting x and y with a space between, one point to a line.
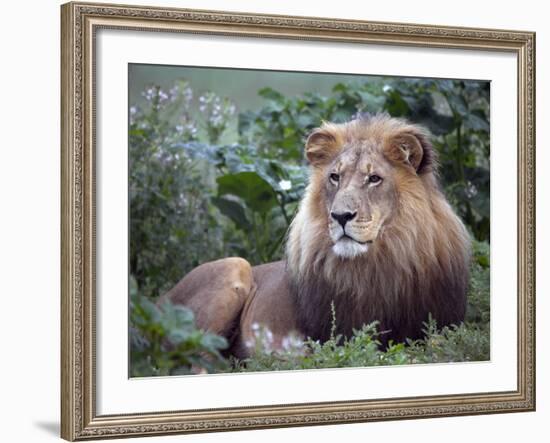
79 22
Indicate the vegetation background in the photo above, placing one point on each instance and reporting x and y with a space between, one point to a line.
217 169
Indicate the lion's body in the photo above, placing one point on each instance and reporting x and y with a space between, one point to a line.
400 255
229 296
415 268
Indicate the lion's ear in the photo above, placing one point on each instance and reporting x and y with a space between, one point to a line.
412 147
322 145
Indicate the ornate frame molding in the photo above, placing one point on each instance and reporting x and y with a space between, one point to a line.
80 21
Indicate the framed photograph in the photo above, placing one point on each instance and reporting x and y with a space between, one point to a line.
283 221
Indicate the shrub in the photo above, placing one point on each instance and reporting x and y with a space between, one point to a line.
174 226
165 341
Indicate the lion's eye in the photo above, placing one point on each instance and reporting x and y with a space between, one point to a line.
375 178
335 178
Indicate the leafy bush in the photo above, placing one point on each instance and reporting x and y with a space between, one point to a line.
207 182
450 344
165 341
174 226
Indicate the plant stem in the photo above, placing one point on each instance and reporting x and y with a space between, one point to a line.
282 203
458 156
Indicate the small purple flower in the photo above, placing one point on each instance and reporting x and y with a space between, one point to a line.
149 93
133 112
188 94
293 344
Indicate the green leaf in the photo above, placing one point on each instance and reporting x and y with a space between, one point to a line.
306 121
253 189
232 210
185 316
476 122
148 309
271 94
483 261
177 336
370 102
341 116
395 104
457 104
340 87
213 342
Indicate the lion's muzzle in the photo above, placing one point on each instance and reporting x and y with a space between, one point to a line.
352 235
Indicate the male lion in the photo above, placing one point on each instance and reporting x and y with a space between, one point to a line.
374 236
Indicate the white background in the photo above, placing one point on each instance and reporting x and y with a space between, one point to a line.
29 220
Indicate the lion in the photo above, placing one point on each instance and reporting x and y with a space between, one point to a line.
374 240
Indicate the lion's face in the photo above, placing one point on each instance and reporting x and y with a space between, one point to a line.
362 170
360 196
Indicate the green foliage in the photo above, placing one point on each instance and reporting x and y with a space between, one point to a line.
260 195
478 309
253 190
206 182
165 341
455 344
173 223
217 112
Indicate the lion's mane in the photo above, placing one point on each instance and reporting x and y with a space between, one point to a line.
417 266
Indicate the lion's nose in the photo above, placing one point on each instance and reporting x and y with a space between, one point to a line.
343 217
